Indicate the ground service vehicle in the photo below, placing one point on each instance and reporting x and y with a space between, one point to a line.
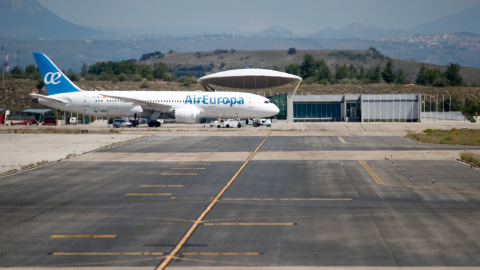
121 122
73 121
230 123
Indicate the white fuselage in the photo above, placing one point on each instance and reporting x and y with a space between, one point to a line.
209 104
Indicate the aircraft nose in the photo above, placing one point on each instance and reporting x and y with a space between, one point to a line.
276 110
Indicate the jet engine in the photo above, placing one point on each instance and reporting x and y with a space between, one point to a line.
188 115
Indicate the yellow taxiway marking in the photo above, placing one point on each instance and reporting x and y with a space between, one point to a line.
83 236
107 253
199 220
342 140
188 163
187 168
371 172
179 173
287 199
221 253
249 224
169 186
149 194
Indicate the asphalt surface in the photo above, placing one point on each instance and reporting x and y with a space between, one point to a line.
248 213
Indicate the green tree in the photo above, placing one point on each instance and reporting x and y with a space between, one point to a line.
17 72
422 76
471 107
84 70
122 77
374 75
293 69
352 71
452 74
434 75
160 70
402 78
292 51
30 69
153 55
32 72
456 103
341 72
361 74
73 77
388 74
309 67
323 71
144 71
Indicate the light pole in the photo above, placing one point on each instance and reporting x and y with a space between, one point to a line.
3 68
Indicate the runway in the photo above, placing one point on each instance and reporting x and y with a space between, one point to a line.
246 201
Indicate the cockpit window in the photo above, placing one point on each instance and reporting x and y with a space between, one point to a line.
266 101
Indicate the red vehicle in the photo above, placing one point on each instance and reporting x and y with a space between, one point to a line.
25 122
19 123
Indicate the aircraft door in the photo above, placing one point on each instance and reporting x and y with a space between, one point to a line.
86 103
211 109
251 103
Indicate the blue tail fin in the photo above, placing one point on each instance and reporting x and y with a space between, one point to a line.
55 81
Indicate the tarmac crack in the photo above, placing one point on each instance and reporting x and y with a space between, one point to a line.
41 213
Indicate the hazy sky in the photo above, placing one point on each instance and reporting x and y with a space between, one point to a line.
298 16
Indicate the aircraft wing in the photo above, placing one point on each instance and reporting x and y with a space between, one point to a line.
50 98
145 104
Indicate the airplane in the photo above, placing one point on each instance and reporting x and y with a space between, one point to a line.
183 106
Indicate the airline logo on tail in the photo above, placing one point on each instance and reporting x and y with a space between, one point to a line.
55 81
51 78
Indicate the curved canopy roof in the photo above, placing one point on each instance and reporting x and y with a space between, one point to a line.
250 78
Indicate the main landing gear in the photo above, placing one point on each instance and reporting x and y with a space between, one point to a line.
154 124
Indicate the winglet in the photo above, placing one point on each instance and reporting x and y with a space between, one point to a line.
55 81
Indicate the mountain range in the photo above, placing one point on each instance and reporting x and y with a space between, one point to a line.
355 30
27 20
465 21
27 26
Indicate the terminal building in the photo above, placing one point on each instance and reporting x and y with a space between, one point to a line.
350 108
327 108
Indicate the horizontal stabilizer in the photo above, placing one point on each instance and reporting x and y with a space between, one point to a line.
49 98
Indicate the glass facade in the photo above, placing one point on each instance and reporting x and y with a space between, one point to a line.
317 111
281 102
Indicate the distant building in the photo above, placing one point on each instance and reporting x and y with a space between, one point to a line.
350 108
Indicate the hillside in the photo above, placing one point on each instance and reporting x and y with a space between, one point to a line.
27 19
464 21
270 59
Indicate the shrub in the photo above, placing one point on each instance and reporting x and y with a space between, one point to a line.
292 51
144 84
470 157
137 78
187 80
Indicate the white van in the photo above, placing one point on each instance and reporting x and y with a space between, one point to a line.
121 122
